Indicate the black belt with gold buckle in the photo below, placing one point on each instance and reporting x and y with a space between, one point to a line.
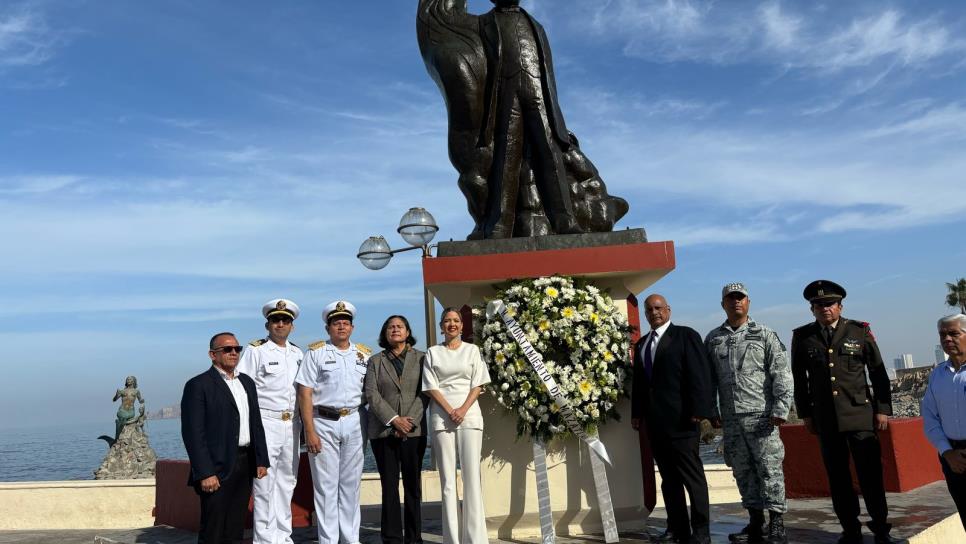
333 414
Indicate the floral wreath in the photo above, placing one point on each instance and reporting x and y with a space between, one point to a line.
584 341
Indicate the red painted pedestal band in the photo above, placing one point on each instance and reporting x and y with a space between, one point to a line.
584 262
908 460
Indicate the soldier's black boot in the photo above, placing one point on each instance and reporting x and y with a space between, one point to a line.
776 529
752 533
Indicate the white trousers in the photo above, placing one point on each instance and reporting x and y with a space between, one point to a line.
273 494
465 444
337 477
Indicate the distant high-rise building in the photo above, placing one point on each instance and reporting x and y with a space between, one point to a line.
940 354
907 360
903 361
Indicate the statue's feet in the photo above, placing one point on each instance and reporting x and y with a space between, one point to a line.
569 227
500 233
477 234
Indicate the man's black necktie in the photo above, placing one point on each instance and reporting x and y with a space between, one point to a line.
648 358
827 332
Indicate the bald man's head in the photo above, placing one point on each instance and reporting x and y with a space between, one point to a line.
656 310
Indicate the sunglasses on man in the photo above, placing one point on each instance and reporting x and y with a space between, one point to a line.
228 349
280 319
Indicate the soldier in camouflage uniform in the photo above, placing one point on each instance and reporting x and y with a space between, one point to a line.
753 385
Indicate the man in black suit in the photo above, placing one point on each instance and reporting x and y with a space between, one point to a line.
834 360
222 432
671 395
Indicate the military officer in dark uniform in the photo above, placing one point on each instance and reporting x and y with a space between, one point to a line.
829 361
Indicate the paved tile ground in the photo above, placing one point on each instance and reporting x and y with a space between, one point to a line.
809 522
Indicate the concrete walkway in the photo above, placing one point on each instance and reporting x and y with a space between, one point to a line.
924 516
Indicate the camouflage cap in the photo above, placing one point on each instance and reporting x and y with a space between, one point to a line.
736 287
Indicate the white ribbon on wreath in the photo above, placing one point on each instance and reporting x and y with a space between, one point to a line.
597 458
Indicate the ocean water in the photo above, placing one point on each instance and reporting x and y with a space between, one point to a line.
73 452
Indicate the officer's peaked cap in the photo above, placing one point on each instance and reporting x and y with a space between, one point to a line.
823 290
280 306
340 309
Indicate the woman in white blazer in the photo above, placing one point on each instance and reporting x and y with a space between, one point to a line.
453 377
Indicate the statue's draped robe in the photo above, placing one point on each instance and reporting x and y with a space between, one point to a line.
462 54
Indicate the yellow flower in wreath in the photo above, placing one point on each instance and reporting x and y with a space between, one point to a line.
551 292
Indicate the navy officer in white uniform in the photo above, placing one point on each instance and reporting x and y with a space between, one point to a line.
273 363
330 395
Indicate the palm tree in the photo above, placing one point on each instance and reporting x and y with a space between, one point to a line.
957 294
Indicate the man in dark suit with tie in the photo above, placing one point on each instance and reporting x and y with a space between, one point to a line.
222 431
671 395
830 357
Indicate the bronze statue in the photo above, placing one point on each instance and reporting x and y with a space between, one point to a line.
521 170
125 413
129 453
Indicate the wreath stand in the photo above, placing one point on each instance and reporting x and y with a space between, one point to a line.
464 274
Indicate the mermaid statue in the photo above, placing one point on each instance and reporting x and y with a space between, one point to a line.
126 413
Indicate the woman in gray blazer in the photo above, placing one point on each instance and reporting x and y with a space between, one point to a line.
397 430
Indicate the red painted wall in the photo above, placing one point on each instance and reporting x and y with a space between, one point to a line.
908 460
176 504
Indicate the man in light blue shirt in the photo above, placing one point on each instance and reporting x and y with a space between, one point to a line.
944 408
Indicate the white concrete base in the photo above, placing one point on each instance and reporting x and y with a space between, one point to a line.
946 531
509 481
88 504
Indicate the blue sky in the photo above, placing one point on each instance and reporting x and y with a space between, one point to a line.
167 167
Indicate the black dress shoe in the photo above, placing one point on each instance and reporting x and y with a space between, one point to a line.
850 538
668 536
881 532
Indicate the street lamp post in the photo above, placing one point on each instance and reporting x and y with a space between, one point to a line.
418 228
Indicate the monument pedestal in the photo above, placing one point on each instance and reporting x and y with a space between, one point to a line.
908 460
624 263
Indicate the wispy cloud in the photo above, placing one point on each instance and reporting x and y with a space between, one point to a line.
35 184
886 35
723 171
944 122
25 37
690 234
785 34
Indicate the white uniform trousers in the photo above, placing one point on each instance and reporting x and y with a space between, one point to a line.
337 477
467 444
273 494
